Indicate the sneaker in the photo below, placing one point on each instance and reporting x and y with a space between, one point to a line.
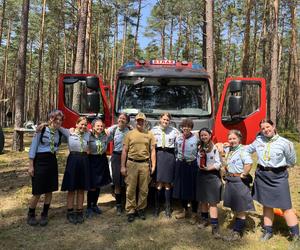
181 215
203 223
130 217
43 220
119 209
79 217
216 232
97 210
89 213
234 236
31 220
266 236
71 217
194 219
141 214
295 244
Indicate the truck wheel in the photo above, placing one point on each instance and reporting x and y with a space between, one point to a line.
1 140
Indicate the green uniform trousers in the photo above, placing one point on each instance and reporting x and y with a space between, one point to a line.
138 176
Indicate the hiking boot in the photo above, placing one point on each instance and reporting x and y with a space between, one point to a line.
31 220
141 214
181 215
79 217
203 223
96 210
130 217
216 232
266 236
119 209
233 236
89 213
168 211
43 220
71 217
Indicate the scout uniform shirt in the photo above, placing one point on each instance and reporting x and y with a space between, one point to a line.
49 142
118 136
79 142
139 144
187 148
275 152
165 138
98 145
212 158
236 159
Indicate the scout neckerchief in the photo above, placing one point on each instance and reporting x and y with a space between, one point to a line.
163 143
231 152
267 154
99 143
204 150
80 135
52 133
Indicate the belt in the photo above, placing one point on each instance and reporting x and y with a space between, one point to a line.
279 169
188 162
233 174
78 153
117 152
45 153
169 150
138 161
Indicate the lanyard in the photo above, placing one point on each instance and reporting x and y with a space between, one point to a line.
267 153
163 138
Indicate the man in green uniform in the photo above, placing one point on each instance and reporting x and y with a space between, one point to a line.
138 151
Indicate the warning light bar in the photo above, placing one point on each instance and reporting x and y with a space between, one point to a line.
163 62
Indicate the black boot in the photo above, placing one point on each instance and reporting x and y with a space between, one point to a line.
156 208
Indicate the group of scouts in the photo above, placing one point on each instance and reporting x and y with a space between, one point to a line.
183 165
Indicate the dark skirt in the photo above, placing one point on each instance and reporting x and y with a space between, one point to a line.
272 189
45 179
165 166
185 180
77 173
117 178
209 186
99 171
237 195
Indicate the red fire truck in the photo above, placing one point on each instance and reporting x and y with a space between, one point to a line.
181 88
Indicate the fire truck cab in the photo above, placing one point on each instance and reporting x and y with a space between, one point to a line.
182 89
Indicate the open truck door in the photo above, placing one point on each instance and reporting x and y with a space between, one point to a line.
242 106
90 101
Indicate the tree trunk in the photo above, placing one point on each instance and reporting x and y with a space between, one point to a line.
124 34
21 77
2 16
204 59
210 44
88 39
274 65
39 97
171 39
79 62
246 43
137 28
179 37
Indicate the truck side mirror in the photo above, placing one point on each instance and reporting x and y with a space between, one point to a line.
235 105
92 82
235 86
93 102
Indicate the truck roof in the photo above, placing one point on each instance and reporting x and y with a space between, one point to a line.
157 68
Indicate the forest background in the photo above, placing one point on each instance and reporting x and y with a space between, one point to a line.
40 39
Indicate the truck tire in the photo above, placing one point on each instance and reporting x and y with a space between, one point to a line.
1 140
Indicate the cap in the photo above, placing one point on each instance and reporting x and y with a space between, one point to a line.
140 116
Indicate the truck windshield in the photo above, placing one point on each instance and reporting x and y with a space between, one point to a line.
178 96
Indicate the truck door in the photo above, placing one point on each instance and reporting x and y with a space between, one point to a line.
242 106
89 101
